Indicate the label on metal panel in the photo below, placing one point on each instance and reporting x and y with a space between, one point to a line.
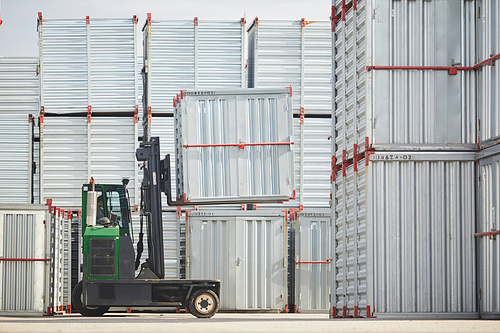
198 93
198 213
393 157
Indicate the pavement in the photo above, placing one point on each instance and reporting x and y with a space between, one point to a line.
234 322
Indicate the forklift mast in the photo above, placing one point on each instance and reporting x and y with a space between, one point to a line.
151 207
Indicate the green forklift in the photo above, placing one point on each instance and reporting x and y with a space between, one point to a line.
109 261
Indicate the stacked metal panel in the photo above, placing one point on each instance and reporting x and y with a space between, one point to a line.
488 73
190 55
234 146
400 91
313 260
88 68
19 98
25 246
487 232
246 250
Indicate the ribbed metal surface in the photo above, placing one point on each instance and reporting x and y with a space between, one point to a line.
260 173
19 85
179 55
15 177
60 241
88 64
73 150
282 53
422 236
312 243
171 243
488 248
396 107
488 45
25 284
246 251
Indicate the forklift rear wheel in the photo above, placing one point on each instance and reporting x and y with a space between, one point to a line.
87 311
204 303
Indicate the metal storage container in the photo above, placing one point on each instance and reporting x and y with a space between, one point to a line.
488 79
234 146
312 260
88 65
19 86
421 107
73 149
404 237
25 274
195 54
246 250
293 53
487 233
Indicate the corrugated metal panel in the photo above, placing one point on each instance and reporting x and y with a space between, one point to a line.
395 108
181 55
15 149
88 63
488 248
488 45
73 150
283 53
256 173
25 284
171 243
312 284
19 85
422 216
60 289
63 160
246 251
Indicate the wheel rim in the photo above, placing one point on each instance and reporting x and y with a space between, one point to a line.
87 307
204 303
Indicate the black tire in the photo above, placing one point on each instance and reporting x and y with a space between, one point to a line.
76 300
204 304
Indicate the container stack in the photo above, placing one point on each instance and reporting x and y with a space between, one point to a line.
404 159
89 104
487 231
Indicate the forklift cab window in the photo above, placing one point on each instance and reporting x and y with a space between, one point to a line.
117 203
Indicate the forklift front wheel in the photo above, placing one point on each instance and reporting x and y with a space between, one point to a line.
204 304
87 311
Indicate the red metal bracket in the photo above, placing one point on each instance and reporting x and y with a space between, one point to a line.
185 198
70 214
368 150
345 162
243 207
186 216
42 114
136 114
136 208
345 8
334 18
488 233
129 310
196 207
182 93
174 102
290 90
80 213
302 114
357 157
30 118
302 22
148 20
243 21
40 18
179 212
294 196
149 115
256 21
286 214
196 21
134 19
87 19
335 167
89 113
369 312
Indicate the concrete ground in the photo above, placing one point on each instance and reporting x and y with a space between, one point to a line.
235 322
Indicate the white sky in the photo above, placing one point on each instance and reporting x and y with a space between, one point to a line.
18 35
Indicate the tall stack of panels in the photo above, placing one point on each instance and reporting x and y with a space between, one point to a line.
404 151
298 54
89 105
19 98
247 251
488 178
